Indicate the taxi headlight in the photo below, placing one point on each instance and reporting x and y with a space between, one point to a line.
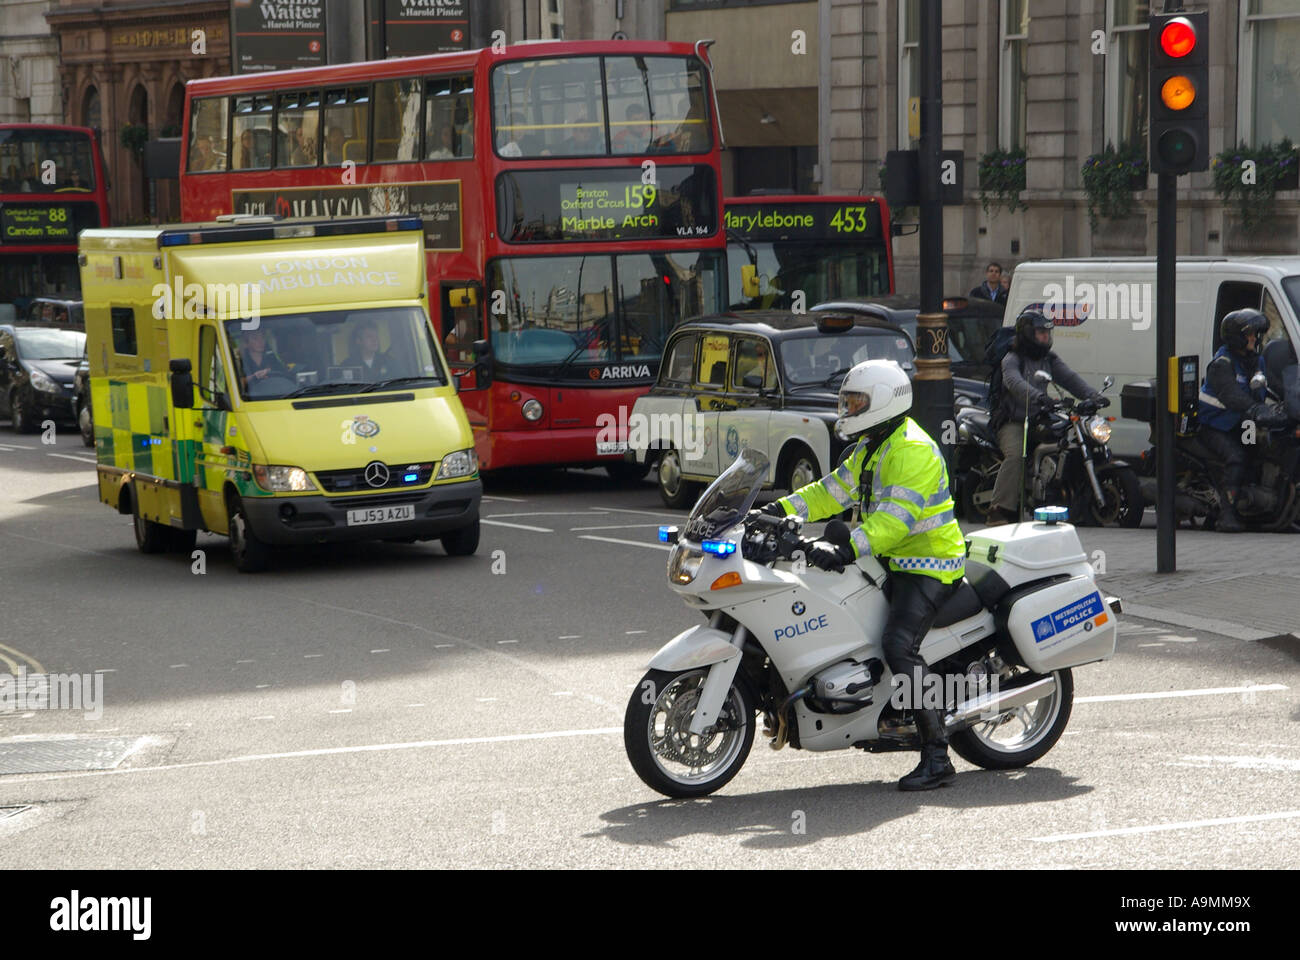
43 382
1099 429
462 463
278 479
684 563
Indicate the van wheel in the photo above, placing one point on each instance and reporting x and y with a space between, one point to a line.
676 491
462 542
150 537
250 554
798 469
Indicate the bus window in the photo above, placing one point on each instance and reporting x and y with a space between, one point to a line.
298 137
397 119
208 134
449 118
545 108
346 125
656 104
251 149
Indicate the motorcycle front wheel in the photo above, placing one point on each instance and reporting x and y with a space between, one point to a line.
1124 504
662 750
1018 737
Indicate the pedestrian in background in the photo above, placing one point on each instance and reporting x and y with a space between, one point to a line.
991 288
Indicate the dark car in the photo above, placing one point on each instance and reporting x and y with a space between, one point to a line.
971 323
37 368
56 310
764 379
81 409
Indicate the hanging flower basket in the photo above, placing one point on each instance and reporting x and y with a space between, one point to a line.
1276 166
1002 177
134 136
1110 179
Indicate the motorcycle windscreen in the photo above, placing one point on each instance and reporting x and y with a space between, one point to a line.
728 498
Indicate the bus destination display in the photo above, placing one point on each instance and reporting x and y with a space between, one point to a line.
805 221
37 224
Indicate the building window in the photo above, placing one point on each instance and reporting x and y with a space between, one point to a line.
1126 73
909 65
1013 72
1269 84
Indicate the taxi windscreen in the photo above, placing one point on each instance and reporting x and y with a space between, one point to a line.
819 358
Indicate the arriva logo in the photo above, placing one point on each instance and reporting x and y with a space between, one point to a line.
621 372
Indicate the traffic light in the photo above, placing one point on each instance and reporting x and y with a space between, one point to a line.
1179 135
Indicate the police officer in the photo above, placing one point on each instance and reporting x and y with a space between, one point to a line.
899 475
1227 400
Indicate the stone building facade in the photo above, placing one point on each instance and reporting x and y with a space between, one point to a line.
29 64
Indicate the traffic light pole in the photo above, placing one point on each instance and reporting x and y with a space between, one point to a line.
1166 267
932 401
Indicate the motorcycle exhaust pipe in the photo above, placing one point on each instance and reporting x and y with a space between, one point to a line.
989 705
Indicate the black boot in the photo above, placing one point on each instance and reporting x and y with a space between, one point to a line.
1228 520
935 769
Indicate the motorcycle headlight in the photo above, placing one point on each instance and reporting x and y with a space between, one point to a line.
462 463
684 563
279 479
43 382
1099 429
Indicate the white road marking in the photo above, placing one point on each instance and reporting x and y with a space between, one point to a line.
1194 622
245 661
617 526
1205 692
1150 645
627 543
177 666
630 632
1157 827
507 641
18 446
648 513
1271 764
344 710
382 650
570 636
415 704
262 686
486 699
312 656
68 456
545 513
516 526
562 693
443 646
265 717
496 497
1171 638
107 670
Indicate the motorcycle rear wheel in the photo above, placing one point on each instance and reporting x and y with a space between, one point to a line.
1019 737
661 748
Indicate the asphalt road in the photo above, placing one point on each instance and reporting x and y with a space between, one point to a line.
389 706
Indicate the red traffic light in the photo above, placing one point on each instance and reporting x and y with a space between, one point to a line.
1178 38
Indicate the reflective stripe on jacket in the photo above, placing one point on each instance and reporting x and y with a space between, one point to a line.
907 513
1212 411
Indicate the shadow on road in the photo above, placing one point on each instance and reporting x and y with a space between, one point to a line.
766 821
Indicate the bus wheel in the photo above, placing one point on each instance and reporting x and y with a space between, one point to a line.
250 554
462 542
150 537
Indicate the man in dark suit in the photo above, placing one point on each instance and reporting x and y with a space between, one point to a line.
991 288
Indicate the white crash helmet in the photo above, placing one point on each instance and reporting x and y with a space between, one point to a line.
873 392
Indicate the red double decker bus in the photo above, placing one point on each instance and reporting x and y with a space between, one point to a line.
823 247
52 187
570 194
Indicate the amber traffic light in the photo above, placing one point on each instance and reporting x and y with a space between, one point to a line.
1179 131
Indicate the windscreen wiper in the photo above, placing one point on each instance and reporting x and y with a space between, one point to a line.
393 381
357 386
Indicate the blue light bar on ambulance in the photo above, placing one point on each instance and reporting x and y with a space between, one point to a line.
268 228
719 548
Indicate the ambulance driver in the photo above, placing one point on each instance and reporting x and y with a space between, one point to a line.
257 362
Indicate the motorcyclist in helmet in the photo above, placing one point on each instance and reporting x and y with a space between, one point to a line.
1021 391
897 474
1227 401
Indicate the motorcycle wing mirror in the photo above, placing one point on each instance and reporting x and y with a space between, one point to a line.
1107 383
1258 382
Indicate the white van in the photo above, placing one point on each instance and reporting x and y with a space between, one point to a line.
1105 314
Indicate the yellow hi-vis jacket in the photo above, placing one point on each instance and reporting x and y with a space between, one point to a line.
907 512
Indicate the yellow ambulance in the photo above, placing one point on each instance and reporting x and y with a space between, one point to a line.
277 382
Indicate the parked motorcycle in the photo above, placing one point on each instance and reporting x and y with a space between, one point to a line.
1270 498
802 646
1070 462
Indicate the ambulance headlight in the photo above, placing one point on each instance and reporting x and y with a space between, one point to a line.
1098 429
462 463
282 479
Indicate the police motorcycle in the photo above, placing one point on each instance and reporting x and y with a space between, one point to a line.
801 646
1070 461
1270 496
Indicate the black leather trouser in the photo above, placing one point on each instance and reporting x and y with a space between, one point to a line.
914 602
1226 445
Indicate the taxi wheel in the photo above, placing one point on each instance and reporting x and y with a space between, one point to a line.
799 469
675 491
150 537
250 554
462 542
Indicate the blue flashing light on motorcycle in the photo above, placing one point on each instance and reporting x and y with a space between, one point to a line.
719 548
1052 515
668 534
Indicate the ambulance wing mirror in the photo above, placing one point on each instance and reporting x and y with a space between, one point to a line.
749 280
182 384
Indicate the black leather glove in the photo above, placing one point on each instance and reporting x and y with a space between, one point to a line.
1101 402
825 555
1268 415
773 509
1040 404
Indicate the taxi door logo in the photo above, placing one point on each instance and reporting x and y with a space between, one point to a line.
733 442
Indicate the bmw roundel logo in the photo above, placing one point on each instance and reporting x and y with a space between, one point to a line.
798 608
1087 625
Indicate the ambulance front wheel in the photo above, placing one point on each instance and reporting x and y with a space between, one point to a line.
250 554
462 542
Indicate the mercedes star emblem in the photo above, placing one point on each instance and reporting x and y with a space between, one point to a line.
376 474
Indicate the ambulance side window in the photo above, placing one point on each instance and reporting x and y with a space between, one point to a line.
212 375
123 319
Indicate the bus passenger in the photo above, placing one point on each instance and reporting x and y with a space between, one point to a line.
334 140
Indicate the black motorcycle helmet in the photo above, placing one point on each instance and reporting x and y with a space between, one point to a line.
1234 327
1026 324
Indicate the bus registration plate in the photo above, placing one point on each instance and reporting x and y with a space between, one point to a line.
381 515
611 447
